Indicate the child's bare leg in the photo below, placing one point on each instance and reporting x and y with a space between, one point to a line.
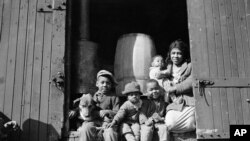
87 131
162 132
130 137
128 132
110 134
146 133
136 130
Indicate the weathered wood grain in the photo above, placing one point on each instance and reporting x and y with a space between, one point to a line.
4 49
45 82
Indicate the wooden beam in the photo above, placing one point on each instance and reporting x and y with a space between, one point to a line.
223 82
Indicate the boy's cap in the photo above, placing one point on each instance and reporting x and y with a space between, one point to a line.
132 87
107 73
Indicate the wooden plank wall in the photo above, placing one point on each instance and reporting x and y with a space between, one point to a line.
219 33
32 47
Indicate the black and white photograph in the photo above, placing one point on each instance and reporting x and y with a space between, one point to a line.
124 70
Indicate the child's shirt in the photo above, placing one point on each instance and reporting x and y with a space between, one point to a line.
155 109
107 102
128 113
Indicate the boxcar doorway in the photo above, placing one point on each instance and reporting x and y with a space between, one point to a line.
104 22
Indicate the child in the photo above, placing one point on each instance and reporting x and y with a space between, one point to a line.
108 103
128 115
157 71
152 114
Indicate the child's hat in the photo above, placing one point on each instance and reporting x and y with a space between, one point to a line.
132 87
107 73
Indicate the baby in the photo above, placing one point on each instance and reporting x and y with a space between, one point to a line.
158 70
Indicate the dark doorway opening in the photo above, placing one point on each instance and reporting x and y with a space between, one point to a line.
164 20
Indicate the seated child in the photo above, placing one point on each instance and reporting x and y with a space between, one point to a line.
108 104
157 70
128 114
152 114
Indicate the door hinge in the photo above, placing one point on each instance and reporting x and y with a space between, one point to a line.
58 81
45 8
201 84
50 7
59 5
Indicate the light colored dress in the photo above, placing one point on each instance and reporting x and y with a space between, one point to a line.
180 116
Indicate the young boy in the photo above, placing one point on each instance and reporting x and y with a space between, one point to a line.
152 114
128 115
157 70
108 103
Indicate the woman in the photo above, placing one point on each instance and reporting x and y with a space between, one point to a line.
180 116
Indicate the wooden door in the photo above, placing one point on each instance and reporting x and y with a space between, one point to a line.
219 32
32 44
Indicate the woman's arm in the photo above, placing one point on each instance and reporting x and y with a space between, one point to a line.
185 87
